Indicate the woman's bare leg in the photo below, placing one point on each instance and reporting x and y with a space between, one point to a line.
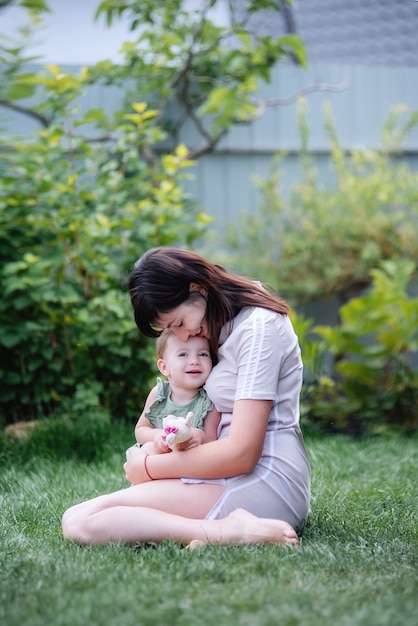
141 514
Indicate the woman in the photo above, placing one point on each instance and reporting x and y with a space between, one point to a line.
251 485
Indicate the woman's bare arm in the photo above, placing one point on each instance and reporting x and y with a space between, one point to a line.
236 454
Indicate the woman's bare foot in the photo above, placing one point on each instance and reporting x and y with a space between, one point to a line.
196 543
241 527
248 528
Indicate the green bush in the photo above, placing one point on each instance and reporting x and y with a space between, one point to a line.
324 241
77 209
320 242
74 216
359 374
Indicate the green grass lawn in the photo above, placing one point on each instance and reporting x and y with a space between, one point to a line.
357 564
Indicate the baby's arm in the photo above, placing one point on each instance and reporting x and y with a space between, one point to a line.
144 432
210 426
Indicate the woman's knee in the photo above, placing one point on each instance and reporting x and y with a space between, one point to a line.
71 524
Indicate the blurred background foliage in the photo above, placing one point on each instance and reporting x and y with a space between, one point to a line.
84 196
354 246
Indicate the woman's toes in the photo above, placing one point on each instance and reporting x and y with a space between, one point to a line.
194 544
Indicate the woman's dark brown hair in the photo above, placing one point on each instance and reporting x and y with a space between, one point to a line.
161 278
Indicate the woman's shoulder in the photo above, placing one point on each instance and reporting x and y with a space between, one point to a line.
250 315
263 323
255 319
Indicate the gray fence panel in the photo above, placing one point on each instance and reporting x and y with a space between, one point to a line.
359 109
223 181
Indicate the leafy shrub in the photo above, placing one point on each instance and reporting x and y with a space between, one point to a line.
77 209
323 241
335 242
74 216
371 384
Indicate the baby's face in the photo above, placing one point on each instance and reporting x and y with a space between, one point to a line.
186 363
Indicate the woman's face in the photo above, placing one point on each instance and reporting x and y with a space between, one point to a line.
186 320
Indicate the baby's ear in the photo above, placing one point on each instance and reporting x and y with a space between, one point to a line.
162 367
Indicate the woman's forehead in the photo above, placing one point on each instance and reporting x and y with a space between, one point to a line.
168 318
164 320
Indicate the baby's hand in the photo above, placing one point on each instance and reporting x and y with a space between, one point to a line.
195 440
160 444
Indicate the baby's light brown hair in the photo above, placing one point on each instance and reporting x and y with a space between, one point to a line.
162 340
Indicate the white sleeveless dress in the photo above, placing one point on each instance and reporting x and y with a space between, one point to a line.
259 359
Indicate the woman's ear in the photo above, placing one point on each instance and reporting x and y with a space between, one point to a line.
198 288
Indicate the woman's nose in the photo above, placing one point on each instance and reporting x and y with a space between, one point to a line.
182 334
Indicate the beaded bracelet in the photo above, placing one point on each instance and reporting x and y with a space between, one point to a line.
146 468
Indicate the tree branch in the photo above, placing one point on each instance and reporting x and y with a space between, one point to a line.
270 102
42 119
197 152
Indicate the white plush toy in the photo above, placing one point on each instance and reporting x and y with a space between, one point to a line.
177 429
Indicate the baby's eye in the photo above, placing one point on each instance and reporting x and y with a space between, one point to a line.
204 353
182 353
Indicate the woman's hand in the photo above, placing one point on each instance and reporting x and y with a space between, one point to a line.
134 467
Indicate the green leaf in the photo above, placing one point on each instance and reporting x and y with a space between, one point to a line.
35 5
20 89
92 116
296 45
